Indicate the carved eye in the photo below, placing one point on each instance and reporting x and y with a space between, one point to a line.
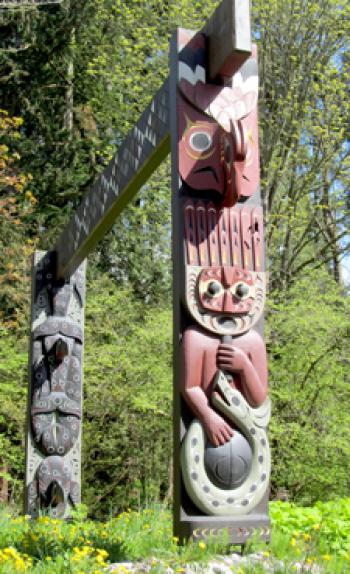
201 141
241 290
214 288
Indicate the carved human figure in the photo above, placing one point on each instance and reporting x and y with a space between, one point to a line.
202 356
223 376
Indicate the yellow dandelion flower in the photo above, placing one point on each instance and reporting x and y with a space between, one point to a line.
327 557
293 542
202 545
20 564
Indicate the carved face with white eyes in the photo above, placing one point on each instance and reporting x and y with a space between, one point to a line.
226 290
225 300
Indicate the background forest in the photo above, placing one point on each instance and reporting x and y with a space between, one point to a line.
74 78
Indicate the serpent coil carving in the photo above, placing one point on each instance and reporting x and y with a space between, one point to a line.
252 423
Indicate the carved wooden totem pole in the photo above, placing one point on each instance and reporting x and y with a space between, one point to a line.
55 390
222 460
221 408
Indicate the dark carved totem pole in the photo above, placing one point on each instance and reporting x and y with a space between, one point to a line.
222 460
55 390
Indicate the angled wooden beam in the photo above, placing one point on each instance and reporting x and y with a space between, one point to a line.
147 144
145 147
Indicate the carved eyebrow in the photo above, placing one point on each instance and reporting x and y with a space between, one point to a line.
208 169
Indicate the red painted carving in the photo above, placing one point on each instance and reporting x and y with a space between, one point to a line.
225 246
201 150
191 235
235 232
257 230
246 229
218 131
224 236
225 289
202 356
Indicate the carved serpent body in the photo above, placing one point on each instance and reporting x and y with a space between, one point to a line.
252 423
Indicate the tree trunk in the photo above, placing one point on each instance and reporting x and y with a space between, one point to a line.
69 95
4 485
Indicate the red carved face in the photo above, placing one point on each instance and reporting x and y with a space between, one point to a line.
226 290
208 155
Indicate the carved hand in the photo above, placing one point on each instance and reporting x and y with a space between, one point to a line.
218 431
230 358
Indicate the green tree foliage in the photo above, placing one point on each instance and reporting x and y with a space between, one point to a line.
309 349
305 158
16 206
127 421
13 392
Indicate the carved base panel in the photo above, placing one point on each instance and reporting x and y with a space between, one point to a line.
54 413
237 530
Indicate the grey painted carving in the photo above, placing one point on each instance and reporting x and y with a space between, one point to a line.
248 488
55 394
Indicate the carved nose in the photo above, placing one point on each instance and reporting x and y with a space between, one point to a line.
61 349
228 303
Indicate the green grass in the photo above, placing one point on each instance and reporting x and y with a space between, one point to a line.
320 535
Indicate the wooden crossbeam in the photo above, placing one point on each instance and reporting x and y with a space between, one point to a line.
146 145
